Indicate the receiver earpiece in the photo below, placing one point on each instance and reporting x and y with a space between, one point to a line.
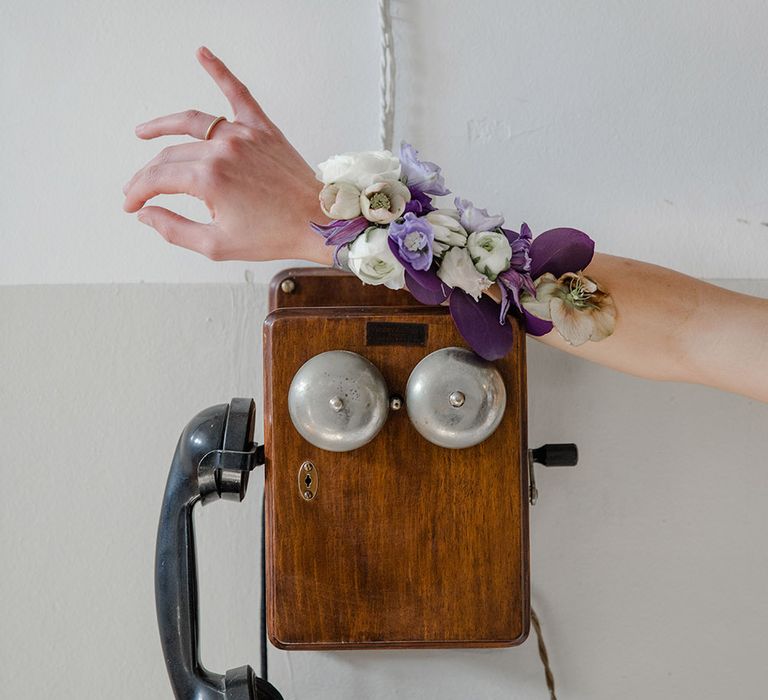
455 398
338 400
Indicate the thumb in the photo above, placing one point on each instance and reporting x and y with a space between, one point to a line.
180 231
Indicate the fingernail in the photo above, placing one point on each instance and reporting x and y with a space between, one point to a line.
139 127
204 50
141 216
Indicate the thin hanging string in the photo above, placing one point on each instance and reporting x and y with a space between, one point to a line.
387 82
543 655
387 118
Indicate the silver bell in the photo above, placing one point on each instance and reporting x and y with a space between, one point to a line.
338 400
455 398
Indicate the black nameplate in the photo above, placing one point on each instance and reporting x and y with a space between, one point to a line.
380 333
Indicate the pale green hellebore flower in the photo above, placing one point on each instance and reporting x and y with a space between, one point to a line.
575 304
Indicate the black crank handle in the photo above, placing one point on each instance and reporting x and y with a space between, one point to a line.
213 458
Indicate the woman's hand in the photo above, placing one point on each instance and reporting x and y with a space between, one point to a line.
260 192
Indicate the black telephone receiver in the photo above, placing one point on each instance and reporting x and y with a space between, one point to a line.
213 459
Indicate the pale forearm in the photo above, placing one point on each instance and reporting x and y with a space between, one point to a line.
670 326
303 242
262 196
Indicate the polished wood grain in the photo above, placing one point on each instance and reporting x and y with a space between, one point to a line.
406 544
322 286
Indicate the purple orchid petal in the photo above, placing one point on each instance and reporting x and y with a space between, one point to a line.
478 323
529 284
560 250
341 231
514 281
510 281
420 203
414 206
473 218
535 325
322 228
504 305
512 236
421 174
336 261
325 229
521 259
426 295
520 244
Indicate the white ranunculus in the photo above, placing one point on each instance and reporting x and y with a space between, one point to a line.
438 249
340 200
458 270
360 168
384 201
448 231
490 251
373 262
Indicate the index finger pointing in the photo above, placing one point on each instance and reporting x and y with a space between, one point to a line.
243 104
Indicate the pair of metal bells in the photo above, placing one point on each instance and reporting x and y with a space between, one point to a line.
339 401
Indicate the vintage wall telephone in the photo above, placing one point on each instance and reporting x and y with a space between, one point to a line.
397 484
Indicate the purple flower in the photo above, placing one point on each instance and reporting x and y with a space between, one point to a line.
420 203
521 245
421 176
513 281
414 238
339 232
517 277
473 218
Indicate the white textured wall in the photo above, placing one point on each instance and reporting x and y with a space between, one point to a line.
641 123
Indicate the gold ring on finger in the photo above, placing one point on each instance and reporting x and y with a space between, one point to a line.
213 126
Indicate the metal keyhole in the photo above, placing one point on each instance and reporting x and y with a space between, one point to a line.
308 480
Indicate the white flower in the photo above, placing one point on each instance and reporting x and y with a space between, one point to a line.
340 200
448 231
578 307
458 270
384 201
490 251
373 262
547 287
360 168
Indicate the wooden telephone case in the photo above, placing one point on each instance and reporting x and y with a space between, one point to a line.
405 544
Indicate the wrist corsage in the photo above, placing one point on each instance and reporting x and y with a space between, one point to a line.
385 230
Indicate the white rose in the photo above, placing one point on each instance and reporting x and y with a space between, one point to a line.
458 270
340 200
360 168
448 231
373 262
490 252
384 201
